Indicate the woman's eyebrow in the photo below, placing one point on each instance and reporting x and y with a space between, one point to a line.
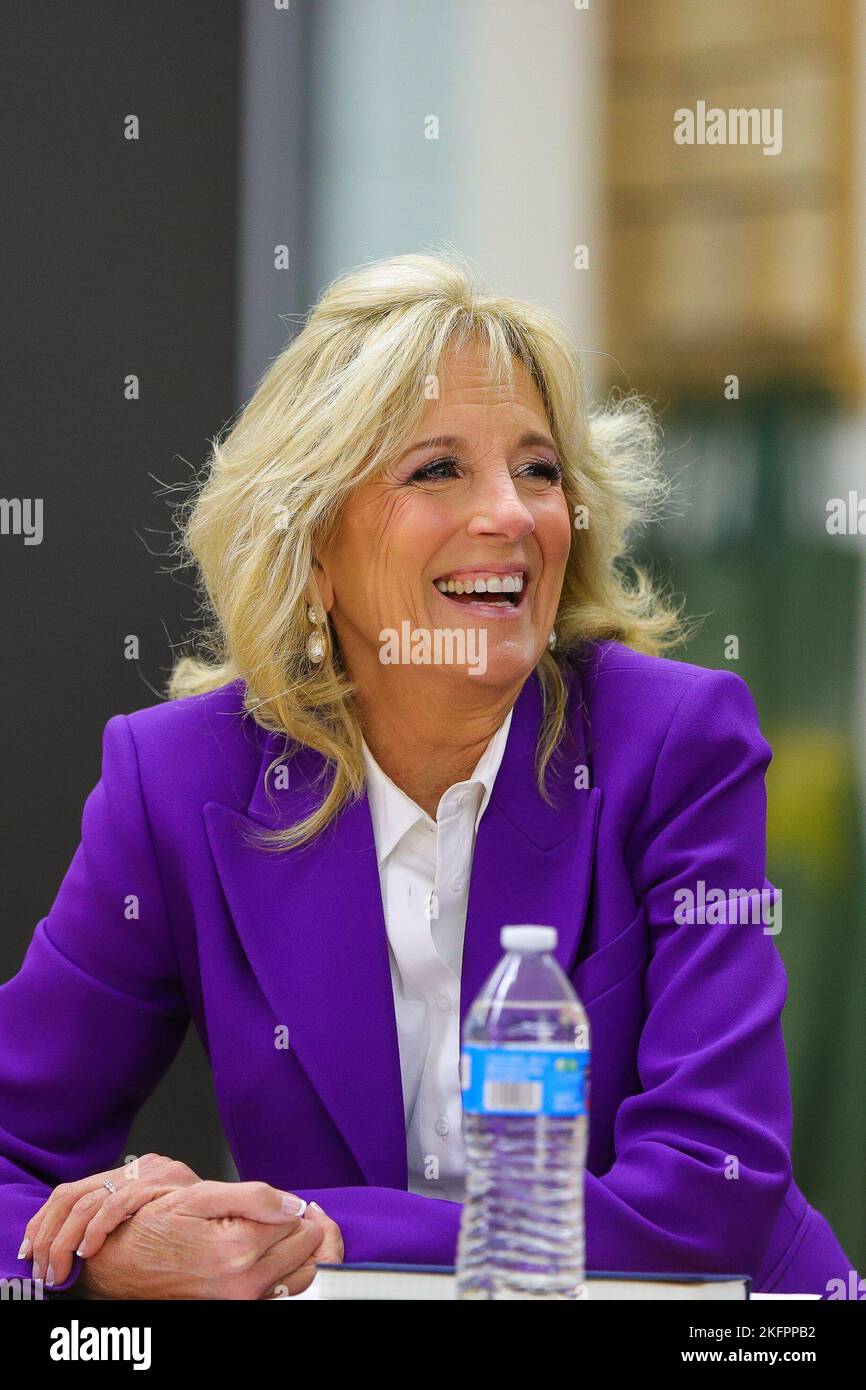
456 441
437 441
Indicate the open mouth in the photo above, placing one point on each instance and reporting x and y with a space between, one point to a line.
485 594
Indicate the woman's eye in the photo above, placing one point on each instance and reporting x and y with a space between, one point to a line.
545 468
433 470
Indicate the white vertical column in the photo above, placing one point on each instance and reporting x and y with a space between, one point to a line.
534 177
513 179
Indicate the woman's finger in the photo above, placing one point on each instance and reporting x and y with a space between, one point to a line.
290 1264
85 1229
257 1201
40 1233
44 1265
331 1249
54 1211
42 1228
117 1209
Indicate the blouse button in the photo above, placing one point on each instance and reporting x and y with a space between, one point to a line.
442 1126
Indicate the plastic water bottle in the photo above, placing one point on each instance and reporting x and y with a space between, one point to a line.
525 1084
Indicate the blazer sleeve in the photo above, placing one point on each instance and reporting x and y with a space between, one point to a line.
96 1013
703 1148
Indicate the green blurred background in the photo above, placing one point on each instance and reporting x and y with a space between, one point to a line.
752 563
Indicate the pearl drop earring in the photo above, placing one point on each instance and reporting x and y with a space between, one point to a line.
315 641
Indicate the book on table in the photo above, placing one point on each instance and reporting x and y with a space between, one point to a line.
434 1283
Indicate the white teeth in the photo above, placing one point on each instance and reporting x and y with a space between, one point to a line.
493 584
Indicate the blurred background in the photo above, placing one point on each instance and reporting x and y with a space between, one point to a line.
184 180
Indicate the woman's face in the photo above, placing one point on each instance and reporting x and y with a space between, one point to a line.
474 502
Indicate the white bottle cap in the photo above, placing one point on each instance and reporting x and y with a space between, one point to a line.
528 938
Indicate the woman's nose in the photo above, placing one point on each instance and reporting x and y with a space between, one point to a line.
499 508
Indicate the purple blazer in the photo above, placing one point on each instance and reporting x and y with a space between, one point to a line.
689 1074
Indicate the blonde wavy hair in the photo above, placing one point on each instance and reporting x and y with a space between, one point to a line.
346 395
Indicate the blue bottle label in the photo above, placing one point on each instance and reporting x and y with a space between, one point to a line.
524 1081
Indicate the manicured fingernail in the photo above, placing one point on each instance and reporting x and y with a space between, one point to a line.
80 1250
49 1275
26 1246
293 1206
317 1208
37 1272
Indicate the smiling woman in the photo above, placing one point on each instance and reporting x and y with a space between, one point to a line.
417 436
324 843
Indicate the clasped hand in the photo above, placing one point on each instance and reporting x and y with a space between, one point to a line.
164 1232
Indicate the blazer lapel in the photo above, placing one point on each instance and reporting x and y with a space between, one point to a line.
313 928
312 924
533 861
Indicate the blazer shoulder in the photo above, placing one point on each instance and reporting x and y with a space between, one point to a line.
624 687
207 746
214 711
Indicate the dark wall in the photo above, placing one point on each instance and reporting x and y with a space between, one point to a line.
118 257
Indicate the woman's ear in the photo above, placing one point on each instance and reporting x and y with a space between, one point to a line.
322 583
